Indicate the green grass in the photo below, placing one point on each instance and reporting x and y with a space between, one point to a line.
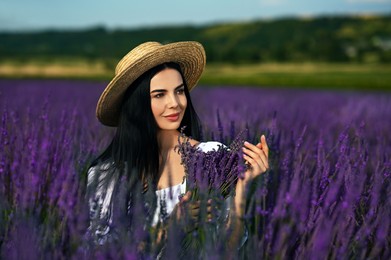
373 77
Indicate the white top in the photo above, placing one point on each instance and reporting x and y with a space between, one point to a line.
168 198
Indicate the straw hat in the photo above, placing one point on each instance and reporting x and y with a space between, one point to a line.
189 55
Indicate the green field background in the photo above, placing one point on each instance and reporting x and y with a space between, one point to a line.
333 52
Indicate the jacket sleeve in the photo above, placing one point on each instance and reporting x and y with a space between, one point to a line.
100 206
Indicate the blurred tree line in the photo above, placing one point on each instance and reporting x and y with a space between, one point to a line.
323 39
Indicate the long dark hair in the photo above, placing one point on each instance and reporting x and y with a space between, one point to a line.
134 148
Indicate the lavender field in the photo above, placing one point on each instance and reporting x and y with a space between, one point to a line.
326 196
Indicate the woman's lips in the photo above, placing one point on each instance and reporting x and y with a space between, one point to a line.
173 117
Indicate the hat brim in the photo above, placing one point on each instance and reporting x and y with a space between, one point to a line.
189 55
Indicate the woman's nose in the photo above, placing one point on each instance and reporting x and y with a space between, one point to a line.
173 101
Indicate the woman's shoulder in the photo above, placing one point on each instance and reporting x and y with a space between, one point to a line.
209 146
99 167
97 171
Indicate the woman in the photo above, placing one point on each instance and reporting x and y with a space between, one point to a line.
148 101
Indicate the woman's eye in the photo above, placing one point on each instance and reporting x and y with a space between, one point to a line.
180 91
158 95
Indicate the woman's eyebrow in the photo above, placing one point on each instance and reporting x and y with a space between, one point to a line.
165 90
180 86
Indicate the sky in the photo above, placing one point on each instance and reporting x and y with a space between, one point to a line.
25 15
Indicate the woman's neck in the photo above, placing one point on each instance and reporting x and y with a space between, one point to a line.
167 140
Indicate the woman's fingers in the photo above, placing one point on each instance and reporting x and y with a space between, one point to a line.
259 157
252 147
186 197
264 145
256 154
256 167
180 208
195 213
261 148
196 210
192 212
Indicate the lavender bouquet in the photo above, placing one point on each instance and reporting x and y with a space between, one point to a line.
214 173
211 175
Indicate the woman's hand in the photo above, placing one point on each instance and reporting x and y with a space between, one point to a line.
257 158
189 212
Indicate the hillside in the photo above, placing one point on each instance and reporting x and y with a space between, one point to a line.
322 39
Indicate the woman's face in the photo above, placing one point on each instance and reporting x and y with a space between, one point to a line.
168 99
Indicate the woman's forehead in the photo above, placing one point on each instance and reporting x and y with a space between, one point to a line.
166 79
